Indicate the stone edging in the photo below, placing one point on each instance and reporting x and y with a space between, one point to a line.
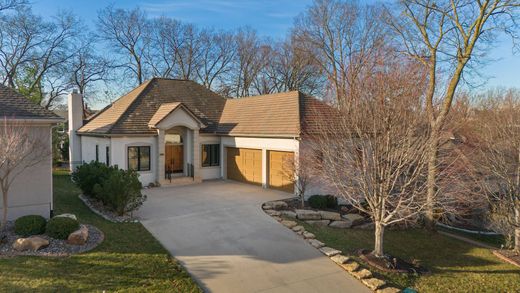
104 215
345 262
505 258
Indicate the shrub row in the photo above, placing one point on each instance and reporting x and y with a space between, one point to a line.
58 227
323 201
119 190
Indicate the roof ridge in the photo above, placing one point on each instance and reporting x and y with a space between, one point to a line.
264 95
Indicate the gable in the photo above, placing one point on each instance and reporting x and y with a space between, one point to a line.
174 114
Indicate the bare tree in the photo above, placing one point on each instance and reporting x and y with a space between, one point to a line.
127 33
11 4
342 37
21 147
498 124
374 152
218 50
447 36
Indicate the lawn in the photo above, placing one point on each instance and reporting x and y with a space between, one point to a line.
455 265
130 259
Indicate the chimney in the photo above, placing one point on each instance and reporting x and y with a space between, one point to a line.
75 104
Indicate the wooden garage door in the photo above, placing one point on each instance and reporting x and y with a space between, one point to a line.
244 165
281 170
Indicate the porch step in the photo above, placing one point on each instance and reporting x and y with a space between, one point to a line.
178 181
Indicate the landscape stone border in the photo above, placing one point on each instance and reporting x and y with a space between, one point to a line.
276 210
503 257
56 247
98 208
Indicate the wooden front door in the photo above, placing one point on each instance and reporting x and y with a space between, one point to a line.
174 159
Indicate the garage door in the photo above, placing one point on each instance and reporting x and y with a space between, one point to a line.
244 165
281 170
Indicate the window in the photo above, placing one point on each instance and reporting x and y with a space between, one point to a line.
107 155
97 153
210 155
139 158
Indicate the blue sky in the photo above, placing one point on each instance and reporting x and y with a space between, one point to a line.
271 18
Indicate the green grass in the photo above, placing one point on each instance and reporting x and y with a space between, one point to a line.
493 240
129 260
455 265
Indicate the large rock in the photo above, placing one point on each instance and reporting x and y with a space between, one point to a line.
351 266
340 224
78 237
316 243
32 243
308 235
362 274
71 216
366 226
373 283
388 290
319 223
272 213
330 251
307 215
330 216
288 214
298 229
289 224
355 219
340 259
279 205
267 206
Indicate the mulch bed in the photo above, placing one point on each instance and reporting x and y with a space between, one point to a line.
508 256
57 247
391 264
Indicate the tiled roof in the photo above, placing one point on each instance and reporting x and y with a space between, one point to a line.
282 115
14 105
275 114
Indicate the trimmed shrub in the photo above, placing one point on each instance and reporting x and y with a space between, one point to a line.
30 225
121 191
323 201
88 175
61 227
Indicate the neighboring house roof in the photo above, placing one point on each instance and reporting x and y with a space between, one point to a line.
267 115
15 106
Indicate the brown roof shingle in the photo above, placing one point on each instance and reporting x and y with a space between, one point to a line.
15 106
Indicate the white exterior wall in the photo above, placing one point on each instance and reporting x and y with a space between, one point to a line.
210 172
119 156
31 191
88 148
264 144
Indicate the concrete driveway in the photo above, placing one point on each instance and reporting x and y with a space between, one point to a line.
219 232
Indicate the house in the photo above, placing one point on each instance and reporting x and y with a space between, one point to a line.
31 190
174 131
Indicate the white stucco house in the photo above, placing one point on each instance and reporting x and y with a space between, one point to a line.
173 131
31 191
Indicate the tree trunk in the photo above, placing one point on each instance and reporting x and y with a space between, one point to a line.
4 211
431 181
379 234
517 230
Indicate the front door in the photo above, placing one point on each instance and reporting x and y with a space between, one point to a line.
174 159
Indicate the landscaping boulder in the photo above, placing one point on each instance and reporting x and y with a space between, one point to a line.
340 224
279 205
288 214
330 251
298 229
316 243
366 226
3 237
277 218
319 223
373 283
355 219
31 243
340 259
289 224
330 216
388 290
267 206
307 215
71 216
78 237
308 235
272 213
351 266
362 274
